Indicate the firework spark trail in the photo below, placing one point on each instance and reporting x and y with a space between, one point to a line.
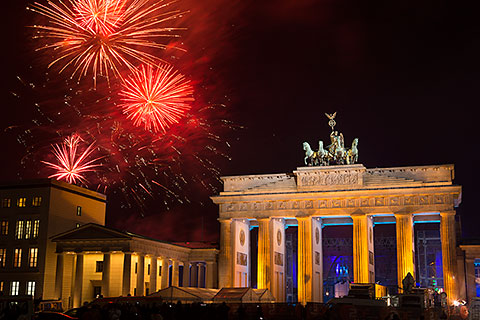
157 97
72 165
101 36
137 166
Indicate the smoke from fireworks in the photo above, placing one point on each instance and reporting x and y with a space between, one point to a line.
156 98
102 36
72 164
140 159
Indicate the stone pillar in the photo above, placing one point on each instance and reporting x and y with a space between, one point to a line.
127 274
447 236
210 274
186 274
405 247
277 258
363 256
59 276
304 259
225 259
106 274
175 273
164 276
194 275
77 290
240 233
141 275
201 275
264 255
470 279
153 274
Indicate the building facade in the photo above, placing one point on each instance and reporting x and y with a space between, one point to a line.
94 260
314 198
31 212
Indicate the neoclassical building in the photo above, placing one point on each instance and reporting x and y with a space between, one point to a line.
95 260
315 197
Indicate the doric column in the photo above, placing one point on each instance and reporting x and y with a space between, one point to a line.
194 275
201 275
153 274
59 276
277 258
225 259
304 259
175 273
405 247
77 290
448 238
127 274
186 274
141 275
211 268
164 277
363 257
264 254
470 279
106 274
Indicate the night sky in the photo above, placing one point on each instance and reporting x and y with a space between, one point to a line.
402 75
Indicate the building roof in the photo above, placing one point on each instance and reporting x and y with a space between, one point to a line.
94 231
186 294
197 244
53 183
236 294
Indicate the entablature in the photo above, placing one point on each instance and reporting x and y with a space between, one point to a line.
413 200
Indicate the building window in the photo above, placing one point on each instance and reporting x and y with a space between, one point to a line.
159 271
33 257
148 269
36 201
21 202
14 288
3 257
1 287
4 229
36 227
28 229
136 267
79 211
17 258
99 266
77 225
19 229
30 288
6 203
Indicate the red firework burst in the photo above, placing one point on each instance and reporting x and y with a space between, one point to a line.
99 16
156 97
100 36
72 164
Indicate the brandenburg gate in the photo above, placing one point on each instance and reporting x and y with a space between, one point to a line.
322 194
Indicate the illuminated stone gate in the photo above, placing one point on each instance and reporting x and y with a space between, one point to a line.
311 197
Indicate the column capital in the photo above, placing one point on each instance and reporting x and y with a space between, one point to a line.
224 220
357 214
264 219
303 217
448 213
402 214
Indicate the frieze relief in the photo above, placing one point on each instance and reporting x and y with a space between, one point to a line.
385 201
328 179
